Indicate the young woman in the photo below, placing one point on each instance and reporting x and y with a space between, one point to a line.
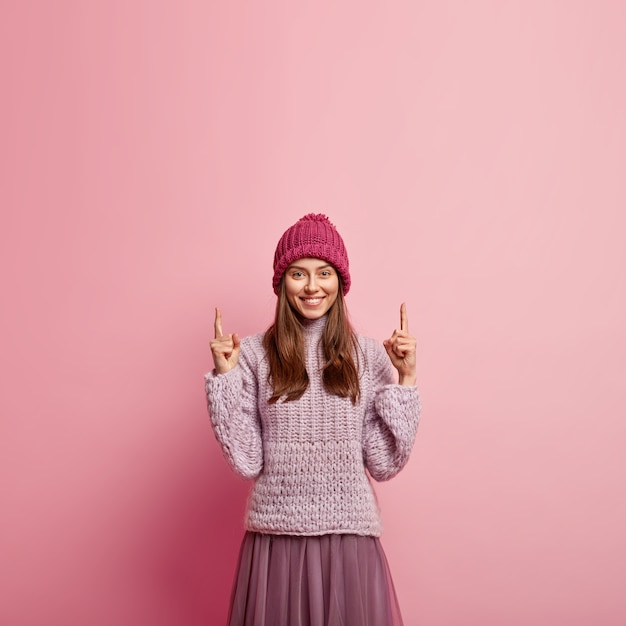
308 410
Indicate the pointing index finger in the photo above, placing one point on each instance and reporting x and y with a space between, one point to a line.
404 320
218 323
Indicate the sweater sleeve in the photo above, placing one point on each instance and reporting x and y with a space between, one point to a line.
232 405
391 420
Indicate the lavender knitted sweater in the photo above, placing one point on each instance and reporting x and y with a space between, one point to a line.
308 456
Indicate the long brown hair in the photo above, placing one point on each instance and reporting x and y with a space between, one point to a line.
284 346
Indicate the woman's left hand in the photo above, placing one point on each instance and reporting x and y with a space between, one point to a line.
401 348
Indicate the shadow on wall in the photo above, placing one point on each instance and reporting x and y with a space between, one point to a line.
224 513
187 558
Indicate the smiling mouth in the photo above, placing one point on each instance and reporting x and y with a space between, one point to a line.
311 301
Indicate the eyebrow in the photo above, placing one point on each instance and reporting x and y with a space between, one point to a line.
299 267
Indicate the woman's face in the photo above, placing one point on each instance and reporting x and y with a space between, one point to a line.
312 286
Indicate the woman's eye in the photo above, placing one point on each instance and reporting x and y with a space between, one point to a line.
297 274
326 273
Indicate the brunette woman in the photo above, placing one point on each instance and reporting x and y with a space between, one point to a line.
310 410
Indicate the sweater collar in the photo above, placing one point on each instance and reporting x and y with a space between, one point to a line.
314 328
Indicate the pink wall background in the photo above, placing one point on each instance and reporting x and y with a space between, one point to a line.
472 154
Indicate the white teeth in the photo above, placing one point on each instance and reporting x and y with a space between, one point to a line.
312 300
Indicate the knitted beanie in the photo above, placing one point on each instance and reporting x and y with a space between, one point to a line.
311 236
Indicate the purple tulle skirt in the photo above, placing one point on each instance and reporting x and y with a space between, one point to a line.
330 580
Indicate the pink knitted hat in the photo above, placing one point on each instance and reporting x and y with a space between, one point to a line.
311 236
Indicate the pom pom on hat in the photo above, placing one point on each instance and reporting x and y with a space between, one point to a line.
311 236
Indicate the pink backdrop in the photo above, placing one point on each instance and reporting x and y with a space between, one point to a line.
472 154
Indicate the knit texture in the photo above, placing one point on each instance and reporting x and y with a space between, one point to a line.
311 236
308 457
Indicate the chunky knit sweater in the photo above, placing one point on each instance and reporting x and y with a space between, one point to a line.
308 456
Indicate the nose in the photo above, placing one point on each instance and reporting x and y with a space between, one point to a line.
311 285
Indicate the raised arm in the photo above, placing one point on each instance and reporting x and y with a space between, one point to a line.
393 414
232 396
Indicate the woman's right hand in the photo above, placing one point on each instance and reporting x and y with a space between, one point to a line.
225 348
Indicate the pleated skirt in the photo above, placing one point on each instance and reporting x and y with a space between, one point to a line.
328 580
